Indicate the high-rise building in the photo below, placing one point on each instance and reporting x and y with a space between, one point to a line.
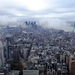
2 59
7 48
72 65
73 68
16 55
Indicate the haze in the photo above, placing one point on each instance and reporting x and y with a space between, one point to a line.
14 10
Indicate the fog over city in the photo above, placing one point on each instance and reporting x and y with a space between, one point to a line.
54 12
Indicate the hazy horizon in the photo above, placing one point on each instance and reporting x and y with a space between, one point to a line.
58 12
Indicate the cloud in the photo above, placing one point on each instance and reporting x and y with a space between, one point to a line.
4 20
56 24
16 9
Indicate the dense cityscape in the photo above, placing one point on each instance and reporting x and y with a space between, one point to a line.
33 50
37 37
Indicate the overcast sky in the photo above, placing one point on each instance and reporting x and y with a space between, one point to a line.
13 9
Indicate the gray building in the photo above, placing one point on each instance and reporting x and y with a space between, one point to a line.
30 72
2 59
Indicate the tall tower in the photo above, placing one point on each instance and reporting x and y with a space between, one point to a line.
2 59
7 48
16 55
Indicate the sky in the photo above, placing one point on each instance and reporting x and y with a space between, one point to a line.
15 9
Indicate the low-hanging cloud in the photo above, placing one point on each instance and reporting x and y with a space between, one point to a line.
5 20
55 23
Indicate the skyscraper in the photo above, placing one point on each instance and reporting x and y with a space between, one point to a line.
2 59
8 38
